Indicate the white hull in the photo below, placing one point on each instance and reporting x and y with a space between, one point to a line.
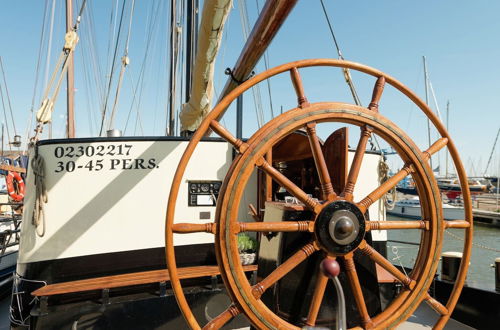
413 211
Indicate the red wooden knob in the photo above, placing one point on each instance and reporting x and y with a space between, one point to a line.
330 267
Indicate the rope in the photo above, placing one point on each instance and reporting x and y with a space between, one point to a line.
38 167
347 72
481 246
383 175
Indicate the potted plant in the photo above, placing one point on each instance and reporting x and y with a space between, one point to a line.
247 247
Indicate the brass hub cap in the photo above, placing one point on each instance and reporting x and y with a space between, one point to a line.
340 227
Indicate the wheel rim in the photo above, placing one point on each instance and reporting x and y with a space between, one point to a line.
226 247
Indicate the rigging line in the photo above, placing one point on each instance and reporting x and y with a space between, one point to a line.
255 89
135 87
147 55
113 64
37 73
111 38
92 70
125 62
492 152
5 117
266 65
347 73
8 97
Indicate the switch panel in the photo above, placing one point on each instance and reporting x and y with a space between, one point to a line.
203 193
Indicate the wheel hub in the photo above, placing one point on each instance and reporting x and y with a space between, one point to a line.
340 227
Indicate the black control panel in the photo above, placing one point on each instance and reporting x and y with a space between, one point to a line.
203 193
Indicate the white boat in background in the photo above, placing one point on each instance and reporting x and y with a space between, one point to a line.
410 208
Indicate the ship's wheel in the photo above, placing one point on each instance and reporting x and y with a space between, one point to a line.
338 225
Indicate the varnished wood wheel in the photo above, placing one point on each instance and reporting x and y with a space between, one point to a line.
338 225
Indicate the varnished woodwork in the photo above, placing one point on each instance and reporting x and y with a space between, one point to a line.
457 224
417 284
377 93
319 160
436 305
12 168
319 292
387 265
352 177
352 276
398 224
288 185
299 88
221 319
283 269
335 150
116 281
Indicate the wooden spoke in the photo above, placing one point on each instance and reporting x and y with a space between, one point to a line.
436 305
384 188
254 213
352 276
387 265
319 160
299 88
238 144
283 226
319 292
283 269
435 147
289 185
393 181
366 132
456 224
224 317
186 228
399 224
377 93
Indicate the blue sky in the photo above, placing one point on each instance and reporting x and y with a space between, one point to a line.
460 39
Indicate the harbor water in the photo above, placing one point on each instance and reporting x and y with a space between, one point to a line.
486 247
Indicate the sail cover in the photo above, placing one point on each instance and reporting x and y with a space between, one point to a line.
213 18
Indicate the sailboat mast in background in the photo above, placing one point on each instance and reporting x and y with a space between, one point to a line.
70 96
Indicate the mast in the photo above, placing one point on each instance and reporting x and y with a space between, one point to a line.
447 129
173 67
427 102
270 20
70 96
191 37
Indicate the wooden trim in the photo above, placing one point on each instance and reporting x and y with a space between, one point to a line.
117 281
12 168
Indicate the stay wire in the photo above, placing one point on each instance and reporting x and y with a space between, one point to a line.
8 97
347 74
37 73
113 64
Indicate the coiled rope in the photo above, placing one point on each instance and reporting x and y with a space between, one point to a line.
383 175
41 197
